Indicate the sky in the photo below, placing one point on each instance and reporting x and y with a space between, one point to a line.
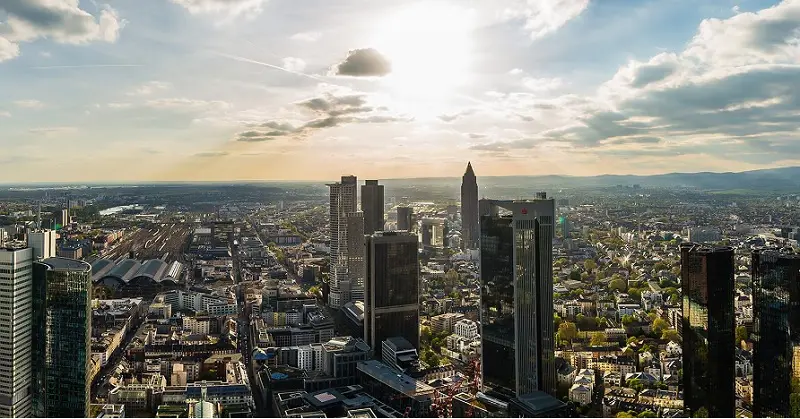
160 90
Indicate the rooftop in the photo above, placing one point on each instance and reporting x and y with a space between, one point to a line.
66 264
399 382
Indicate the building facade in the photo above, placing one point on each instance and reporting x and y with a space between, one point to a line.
517 296
469 209
16 280
372 206
62 316
776 334
356 251
343 201
707 277
43 242
391 303
404 218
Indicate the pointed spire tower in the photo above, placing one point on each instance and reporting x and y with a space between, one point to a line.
469 209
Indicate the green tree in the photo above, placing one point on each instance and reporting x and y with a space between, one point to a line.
589 265
597 339
618 284
627 319
794 405
635 293
632 339
575 275
659 266
425 335
646 414
659 325
556 320
701 413
567 331
635 384
451 278
671 335
625 415
741 334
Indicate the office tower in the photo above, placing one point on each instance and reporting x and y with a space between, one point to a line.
62 320
356 252
433 233
391 302
15 330
776 338
372 206
62 217
343 201
564 227
517 297
404 218
43 243
708 330
469 209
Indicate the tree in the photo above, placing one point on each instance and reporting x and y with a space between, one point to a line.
632 339
635 384
568 331
556 320
646 414
741 334
794 405
597 339
618 284
451 278
575 275
635 293
589 265
625 415
580 319
671 335
627 319
659 266
659 325
701 413
425 335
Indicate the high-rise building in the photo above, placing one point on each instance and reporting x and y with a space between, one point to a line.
776 336
433 232
356 253
707 278
15 330
62 320
43 243
372 206
343 201
404 218
516 251
391 302
469 209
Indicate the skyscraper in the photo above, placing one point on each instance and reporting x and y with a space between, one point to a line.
404 218
469 209
43 243
15 330
372 206
776 337
517 297
391 302
62 331
356 253
707 277
343 201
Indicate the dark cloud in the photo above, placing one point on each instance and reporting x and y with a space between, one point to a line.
651 73
259 136
365 62
63 22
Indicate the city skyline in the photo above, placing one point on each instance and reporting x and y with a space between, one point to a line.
257 89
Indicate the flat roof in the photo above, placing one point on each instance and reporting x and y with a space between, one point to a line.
399 382
66 264
540 402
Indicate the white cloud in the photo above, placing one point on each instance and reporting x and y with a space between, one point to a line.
542 84
543 16
229 7
149 88
5 114
306 36
184 104
29 104
62 21
51 132
294 64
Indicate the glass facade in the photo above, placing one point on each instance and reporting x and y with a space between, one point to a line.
391 302
62 332
517 297
776 311
708 330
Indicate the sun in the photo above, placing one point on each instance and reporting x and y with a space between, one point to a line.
430 47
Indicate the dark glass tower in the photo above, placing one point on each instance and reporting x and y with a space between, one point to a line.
707 275
404 218
372 206
469 209
517 296
391 300
776 349
61 337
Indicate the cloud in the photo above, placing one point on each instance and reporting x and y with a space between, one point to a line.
306 36
184 104
732 93
208 154
62 21
29 104
365 62
230 7
543 17
260 136
5 114
294 64
149 88
542 84
50 132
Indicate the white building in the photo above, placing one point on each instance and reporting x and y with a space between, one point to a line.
305 358
466 328
16 289
43 243
580 393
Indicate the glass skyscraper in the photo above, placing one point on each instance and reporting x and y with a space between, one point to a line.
516 245
62 337
391 300
776 337
708 330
